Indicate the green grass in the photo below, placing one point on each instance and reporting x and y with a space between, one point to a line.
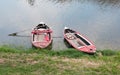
19 61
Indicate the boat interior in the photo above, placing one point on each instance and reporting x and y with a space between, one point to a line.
75 38
41 37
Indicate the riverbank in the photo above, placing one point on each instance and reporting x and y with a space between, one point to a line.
67 62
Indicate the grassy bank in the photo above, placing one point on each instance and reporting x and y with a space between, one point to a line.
68 62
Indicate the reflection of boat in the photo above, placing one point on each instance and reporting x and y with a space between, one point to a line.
41 38
78 41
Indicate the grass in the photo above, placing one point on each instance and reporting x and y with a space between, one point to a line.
15 61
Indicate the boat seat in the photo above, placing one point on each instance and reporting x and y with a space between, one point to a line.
70 36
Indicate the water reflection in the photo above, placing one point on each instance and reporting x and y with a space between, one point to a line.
101 2
31 2
115 3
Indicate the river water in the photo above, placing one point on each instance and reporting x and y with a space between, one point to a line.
99 20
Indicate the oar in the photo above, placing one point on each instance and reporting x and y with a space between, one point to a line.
15 33
29 35
22 36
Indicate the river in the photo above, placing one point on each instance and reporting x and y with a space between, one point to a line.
98 20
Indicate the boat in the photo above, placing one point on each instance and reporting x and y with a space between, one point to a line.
78 41
41 36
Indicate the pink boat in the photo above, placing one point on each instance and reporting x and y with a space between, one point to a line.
78 41
41 37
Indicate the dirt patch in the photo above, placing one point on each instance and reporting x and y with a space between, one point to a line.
2 61
31 61
81 62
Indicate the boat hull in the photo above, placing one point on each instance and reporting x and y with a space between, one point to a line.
78 41
41 38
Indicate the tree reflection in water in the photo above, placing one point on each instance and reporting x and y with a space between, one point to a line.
115 3
31 2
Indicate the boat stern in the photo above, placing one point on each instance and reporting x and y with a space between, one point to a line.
41 44
88 49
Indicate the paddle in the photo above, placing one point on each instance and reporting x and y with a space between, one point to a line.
13 34
16 33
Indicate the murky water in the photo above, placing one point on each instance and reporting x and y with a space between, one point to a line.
96 19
